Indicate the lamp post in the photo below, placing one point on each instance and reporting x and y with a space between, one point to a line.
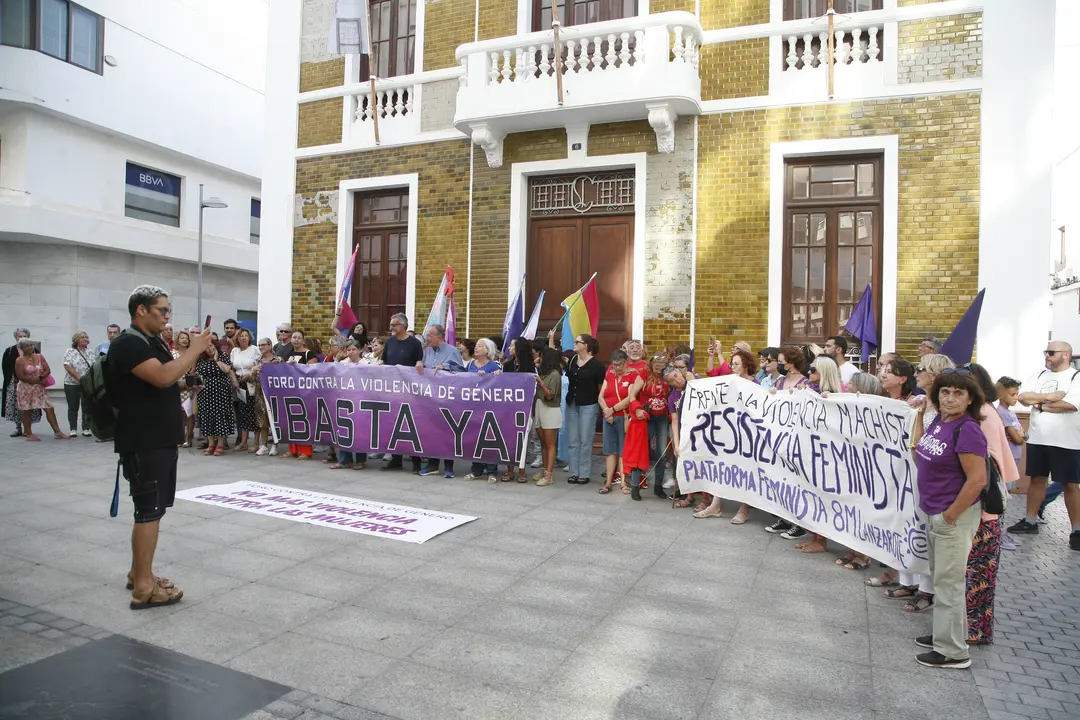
210 202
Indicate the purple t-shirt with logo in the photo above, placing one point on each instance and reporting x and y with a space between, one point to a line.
941 476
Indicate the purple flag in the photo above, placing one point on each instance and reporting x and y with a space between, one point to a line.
391 409
862 324
961 341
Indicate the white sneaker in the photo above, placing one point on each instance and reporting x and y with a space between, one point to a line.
669 483
538 462
261 451
273 450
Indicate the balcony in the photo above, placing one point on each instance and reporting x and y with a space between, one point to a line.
619 70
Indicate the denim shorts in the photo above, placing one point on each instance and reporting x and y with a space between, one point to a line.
614 435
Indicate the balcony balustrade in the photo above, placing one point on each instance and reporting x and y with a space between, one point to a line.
618 70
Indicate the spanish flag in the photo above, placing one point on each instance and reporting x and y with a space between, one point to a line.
582 313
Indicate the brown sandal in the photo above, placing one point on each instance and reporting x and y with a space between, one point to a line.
163 582
158 597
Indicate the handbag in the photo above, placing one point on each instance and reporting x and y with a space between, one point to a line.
48 381
994 495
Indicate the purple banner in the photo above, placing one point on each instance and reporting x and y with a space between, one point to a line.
385 409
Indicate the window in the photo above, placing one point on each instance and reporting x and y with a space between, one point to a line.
59 28
581 11
832 243
152 195
17 23
248 319
256 220
393 39
382 234
805 9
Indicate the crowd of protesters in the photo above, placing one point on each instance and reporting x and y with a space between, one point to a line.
635 402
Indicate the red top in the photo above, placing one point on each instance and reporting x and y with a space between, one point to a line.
654 397
721 369
641 366
618 388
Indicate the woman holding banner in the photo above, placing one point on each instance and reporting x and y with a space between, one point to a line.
951 461
263 435
303 355
789 362
520 360
483 363
585 374
744 366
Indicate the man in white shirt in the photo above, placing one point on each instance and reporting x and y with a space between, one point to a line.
836 347
1053 437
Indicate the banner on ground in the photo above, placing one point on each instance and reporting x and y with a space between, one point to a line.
838 466
398 522
390 409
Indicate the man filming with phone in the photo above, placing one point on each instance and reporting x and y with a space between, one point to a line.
144 384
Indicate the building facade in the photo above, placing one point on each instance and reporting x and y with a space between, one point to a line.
112 114
701 157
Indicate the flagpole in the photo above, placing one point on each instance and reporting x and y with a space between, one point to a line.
371 76
558 59
831 50
580 290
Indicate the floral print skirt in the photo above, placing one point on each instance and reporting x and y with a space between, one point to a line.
982 571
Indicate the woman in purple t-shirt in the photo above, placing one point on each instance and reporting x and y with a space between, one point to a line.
951 460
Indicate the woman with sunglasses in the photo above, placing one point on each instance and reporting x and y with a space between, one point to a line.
586 375
770 365
267 356
951 460
824 379
790 362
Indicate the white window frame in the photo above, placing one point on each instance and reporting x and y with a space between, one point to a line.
525 12
347 191
519 217
780 152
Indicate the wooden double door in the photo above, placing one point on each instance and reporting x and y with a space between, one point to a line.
564 251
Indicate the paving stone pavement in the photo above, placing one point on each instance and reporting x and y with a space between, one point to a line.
556 603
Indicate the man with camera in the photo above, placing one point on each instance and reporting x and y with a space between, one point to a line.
144 383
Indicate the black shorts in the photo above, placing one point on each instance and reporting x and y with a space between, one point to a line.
1059 464
151 475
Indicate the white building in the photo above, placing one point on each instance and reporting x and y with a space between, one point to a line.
112 113
1065 213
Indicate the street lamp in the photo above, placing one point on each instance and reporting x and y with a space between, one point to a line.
210 202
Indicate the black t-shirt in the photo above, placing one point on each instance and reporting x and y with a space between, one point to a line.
402 352
585 381
302 358
149 417
283 350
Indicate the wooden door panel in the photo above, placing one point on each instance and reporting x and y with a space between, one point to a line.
609 251
554 266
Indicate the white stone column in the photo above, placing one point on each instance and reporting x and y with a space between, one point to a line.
1014 203
279 165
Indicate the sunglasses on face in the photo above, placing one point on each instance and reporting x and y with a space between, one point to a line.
1051 353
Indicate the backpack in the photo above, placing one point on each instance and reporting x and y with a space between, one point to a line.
994 495
94 390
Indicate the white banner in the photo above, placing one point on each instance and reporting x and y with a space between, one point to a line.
838 466
398 522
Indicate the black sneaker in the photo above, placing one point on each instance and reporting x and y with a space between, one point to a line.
658 491
794 533
925 641
392 466
635 493
937 660
1024 528
1074 539
780 526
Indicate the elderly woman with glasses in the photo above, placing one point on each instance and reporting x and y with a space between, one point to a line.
77 362
10 405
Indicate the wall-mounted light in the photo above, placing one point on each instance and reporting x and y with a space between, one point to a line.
110 61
